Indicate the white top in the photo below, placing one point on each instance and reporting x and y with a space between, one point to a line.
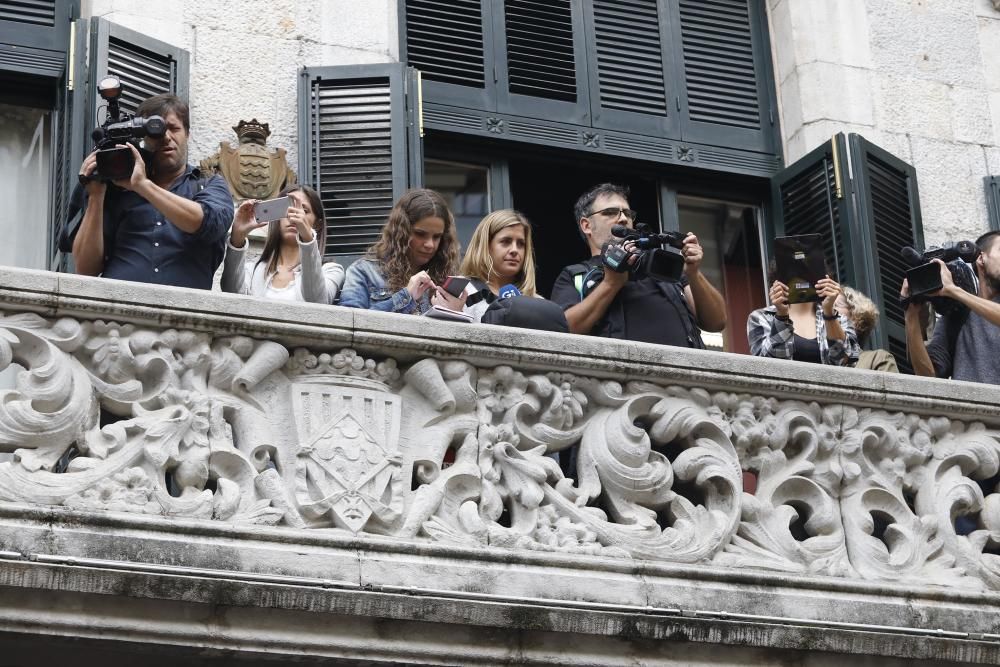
312 280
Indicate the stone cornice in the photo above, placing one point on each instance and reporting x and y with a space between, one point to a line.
408 339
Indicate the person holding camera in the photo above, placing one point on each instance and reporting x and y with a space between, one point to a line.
966 340
604 302
164 223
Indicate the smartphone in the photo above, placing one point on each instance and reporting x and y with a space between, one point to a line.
455 285
272 209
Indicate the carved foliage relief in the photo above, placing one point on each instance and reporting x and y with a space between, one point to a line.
111 417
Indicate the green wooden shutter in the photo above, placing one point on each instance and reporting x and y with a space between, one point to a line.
541 59
34 42
888 207
146 66
725 68
810 196
865 226
629 46
993 201
354 136
70 141
450 42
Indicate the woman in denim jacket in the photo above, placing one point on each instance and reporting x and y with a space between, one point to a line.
418 250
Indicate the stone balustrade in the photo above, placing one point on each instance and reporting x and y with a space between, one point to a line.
216 473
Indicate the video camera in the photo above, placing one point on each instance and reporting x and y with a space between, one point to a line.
925 276
114 163
652 259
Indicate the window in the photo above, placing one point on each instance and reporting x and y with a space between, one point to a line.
864 202
692 88
730 234
466 189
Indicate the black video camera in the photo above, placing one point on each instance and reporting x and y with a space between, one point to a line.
114 162
925 275
652 259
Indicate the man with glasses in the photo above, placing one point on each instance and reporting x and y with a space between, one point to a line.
620 306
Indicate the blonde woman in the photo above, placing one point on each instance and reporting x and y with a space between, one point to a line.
863 314
500 253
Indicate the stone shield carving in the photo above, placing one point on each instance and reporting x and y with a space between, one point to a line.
348 451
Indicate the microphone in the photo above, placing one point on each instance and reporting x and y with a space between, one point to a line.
911 256
620 231
508 291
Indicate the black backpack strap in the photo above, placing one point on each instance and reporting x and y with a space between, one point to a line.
674 293
483 293
579 272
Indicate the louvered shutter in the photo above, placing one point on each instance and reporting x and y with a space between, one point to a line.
69 142
993 201
34 40
810 197
541 56
631 87
888 207
724 68
355 138
146 66
450 42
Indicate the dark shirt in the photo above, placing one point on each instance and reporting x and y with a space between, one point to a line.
646 310
141 245
973 356
807 349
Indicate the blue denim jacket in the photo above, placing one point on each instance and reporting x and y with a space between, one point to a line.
364 287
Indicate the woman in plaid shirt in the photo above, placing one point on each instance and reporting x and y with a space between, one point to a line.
810 332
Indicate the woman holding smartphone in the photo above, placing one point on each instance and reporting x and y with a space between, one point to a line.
290 267
500 253
417 251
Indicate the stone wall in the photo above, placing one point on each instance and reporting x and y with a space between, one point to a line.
245 55
920 78
207 470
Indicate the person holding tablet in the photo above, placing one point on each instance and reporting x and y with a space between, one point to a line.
814 332
291 267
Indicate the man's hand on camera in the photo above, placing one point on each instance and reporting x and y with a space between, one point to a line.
947 282
138 171
693 254
95 186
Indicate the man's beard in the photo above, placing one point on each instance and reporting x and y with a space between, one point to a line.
990 279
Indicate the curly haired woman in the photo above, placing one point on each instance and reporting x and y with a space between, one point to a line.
416 253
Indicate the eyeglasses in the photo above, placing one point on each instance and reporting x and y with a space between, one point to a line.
616 211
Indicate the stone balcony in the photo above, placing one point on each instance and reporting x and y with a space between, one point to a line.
209 477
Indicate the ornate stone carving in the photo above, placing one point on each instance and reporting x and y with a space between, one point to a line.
250 169
112 417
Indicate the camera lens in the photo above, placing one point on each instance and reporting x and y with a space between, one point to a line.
155 127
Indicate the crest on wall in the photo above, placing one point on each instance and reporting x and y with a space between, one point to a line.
348 458
251 169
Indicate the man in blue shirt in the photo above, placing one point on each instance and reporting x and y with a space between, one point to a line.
166 225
